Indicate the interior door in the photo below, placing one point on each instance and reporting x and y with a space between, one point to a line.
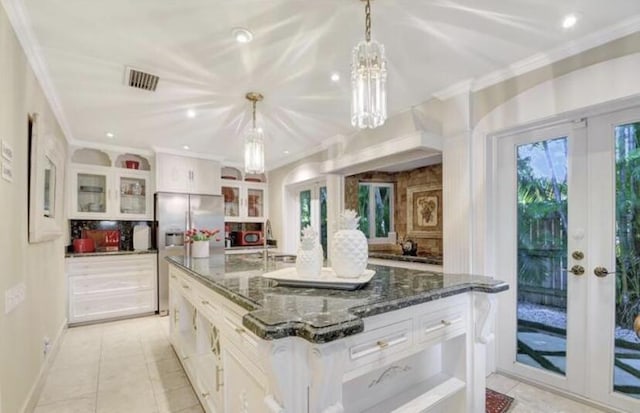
541 242
568 241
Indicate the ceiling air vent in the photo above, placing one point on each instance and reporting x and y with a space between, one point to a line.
141 80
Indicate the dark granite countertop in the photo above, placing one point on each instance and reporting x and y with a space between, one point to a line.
108 253
434 260
316 314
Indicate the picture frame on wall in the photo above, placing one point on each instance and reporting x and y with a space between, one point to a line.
424 211
46 173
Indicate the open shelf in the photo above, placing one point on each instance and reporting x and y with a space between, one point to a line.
422 396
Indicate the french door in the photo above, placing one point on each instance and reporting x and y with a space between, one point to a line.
312 210
568 242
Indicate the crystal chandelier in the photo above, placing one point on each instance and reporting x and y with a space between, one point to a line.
368 80
254 141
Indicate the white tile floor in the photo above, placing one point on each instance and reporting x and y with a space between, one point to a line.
126 366
129 367
530 399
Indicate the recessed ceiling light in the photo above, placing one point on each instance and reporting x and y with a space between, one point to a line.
242 35
335 77
191 113
286 152
186 147
110 135
569 21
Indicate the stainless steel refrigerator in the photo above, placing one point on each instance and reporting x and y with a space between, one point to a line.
174 214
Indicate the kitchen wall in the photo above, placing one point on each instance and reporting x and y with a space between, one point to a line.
39 266
428 175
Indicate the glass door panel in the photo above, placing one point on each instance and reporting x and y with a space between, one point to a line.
626 357
91 193
312 210
133 195
255 202
304 200
542 254
231 195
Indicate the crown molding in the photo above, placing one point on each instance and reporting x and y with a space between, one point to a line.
109 147
569 49
188 154
22 27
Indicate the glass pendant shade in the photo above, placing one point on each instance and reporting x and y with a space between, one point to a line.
254 151
368 83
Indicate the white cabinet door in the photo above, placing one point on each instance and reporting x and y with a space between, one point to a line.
205 177
187 175
173 173
133 195
90 192
244 384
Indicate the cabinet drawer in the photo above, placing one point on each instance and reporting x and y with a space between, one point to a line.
375 345
239 335
111 283
442 324
209 308
110 265
103 306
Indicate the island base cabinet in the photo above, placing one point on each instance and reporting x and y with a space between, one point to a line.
244 383
432 380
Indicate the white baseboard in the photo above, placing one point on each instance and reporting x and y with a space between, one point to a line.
34 394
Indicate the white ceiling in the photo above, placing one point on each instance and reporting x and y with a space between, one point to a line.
431 44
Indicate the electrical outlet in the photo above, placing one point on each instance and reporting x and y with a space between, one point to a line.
14 296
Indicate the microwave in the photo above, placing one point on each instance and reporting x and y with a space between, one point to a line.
247 238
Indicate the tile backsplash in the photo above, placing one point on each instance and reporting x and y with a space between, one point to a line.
125 228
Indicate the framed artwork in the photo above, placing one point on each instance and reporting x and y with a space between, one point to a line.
46 172
424 211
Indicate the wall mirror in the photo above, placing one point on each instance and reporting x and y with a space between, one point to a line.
46 169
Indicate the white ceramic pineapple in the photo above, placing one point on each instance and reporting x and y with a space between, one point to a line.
349 247
310 256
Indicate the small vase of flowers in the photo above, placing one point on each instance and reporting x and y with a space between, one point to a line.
199 240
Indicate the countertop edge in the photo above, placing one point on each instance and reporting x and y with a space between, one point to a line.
321 335
107 253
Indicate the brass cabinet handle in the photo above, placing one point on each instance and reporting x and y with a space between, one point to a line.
636 325
382 344
204 395
219 382
240 330
205 302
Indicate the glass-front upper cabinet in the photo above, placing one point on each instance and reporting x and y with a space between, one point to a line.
245 195
133 199
255 202
91 193
102 189
231 195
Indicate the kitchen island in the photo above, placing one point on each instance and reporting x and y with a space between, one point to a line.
408 341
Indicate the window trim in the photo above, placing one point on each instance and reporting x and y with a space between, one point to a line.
391 235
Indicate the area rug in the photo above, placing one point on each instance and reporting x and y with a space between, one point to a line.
497 402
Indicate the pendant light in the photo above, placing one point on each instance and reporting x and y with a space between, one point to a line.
254 141
368 80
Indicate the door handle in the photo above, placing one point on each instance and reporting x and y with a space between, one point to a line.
636 325
575 270
602 272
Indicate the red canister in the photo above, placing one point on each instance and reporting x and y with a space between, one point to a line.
84 245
